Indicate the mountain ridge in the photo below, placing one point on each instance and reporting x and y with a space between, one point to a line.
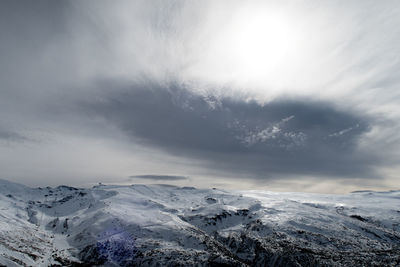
153 225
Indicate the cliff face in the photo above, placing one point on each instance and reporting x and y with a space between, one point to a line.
172 226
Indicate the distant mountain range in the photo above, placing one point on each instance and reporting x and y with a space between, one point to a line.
163 225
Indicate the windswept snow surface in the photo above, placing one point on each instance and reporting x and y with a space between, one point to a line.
162 225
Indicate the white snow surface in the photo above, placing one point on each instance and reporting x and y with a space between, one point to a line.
154 225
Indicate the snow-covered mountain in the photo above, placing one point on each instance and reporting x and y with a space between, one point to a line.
162 225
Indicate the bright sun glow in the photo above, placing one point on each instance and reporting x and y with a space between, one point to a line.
261 43
263 48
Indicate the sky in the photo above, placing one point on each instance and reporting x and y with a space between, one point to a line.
273 95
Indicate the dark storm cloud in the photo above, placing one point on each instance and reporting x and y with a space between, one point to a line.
233 135
12 136
160 177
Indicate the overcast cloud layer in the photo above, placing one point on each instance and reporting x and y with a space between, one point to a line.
286 95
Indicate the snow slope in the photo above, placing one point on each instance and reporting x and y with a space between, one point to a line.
183 226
